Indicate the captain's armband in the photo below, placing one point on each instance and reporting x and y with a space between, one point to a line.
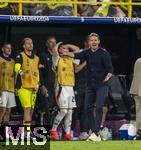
21 72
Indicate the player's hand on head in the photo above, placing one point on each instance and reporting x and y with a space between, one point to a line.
56 46
59 43
55 49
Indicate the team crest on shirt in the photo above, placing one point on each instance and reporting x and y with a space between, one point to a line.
3 64
63 69
35 74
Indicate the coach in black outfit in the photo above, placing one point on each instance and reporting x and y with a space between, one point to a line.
99 71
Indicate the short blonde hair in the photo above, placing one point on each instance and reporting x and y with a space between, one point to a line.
94 34
25 39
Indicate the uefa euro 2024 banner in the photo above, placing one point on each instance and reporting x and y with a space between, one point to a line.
50 19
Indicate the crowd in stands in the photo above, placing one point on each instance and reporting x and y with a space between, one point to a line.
91 10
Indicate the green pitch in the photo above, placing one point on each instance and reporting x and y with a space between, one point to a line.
104 145
79 145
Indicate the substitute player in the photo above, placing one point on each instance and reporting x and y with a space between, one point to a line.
64 90
7 97
27 73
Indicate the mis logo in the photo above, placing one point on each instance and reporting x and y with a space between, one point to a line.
15 135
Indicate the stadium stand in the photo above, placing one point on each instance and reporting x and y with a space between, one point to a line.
93 8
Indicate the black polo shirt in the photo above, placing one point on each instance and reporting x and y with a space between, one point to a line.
47 73
98 65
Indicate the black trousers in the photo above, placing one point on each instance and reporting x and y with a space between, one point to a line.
95 96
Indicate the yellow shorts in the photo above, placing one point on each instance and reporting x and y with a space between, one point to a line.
27 98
